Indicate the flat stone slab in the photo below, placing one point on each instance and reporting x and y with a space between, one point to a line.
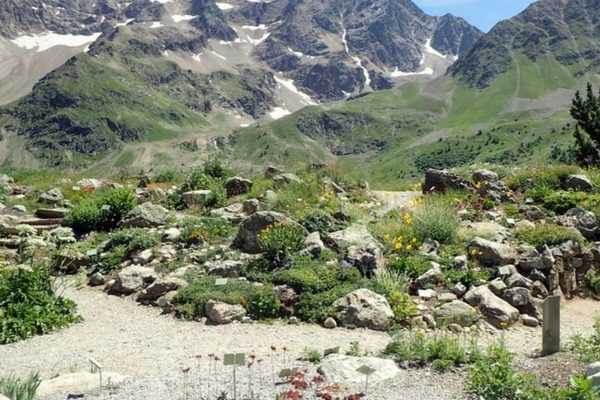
78 382
342 369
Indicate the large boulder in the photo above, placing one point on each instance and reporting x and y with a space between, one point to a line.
582 220
491 254
456 312
364 309
484 175
497 311
132 279
222 313
236 186
247 237
344 369
358 247
580 183
442 181
147 215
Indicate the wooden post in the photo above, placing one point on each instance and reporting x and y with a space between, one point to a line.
551 330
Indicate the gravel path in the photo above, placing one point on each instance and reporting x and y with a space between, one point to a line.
138 342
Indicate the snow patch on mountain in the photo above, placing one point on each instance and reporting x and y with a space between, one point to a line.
44 41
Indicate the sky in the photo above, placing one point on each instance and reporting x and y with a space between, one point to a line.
482 13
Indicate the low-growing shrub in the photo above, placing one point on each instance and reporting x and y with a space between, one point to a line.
549 234
418 349
102 212
316 307
468 276
436 220
322 222
312 356
592 281
390 281
560 202
281 241
29 306
403 306
588 347
20 389
216 169
199 180
264 303
411 266
198 230
133 239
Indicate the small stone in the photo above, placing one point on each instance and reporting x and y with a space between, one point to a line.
97 279
295 321
20 208
528 320
427 294
330 323
455 328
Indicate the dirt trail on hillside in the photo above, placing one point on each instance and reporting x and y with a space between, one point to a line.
395 200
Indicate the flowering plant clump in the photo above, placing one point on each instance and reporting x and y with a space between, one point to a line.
281 241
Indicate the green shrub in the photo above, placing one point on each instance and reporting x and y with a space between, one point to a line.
322 222
166 176
549 234
199 180
561 202
197 230
442 351
411 266
403 306
133 240
468 277
389 281
281 241
492 377
20 389
29 306
264 303
103 211
216 169
580 388
191 301
316 307
592 281
588 348
436 220
312 356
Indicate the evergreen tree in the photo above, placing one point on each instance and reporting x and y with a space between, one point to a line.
586 113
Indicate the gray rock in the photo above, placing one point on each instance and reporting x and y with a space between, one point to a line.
539 290
233 213
456 312
427 294
171 235
443 180
147 215
592 369
330 323
484 175
52 196
160 288
247 237
498 286
517 297
97 279
580 183
132 279
271 171
198 198
530 321
222 313
359 248
447 297
225 268
582 220
497 311
506 270
490 253
364 309
343 368
250 206
595 381
286 179
313 244
143 257
459 289
518 280
236 186
432 277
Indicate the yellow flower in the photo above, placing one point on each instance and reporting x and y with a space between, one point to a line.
398 246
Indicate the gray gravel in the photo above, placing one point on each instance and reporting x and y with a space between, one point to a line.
152 349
